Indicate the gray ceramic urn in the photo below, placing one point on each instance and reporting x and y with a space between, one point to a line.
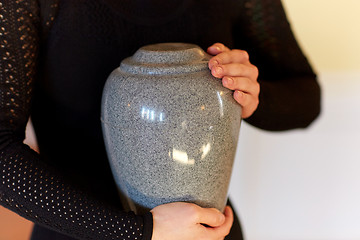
170 128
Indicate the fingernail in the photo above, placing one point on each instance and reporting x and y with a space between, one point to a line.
239 93
217 48
213 63
228 81
218 70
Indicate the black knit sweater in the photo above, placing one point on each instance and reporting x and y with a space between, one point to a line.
55 57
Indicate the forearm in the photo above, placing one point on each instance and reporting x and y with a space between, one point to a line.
289 92
28 186
287 104
35 191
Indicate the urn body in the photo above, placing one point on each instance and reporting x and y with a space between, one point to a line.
170 128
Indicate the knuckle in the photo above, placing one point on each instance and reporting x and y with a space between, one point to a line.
244 54
257 87
255 69
193 211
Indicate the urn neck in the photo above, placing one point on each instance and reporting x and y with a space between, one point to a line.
166 58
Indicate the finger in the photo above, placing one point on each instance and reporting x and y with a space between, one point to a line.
235 69
217 48
248 103
233 56
241 83
211 217
229 219
224 229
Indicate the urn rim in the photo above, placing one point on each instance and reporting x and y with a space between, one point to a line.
166 58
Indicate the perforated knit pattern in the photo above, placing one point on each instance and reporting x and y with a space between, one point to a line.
27 186
18 53
40 196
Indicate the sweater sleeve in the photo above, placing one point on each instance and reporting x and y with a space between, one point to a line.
28 186
289 91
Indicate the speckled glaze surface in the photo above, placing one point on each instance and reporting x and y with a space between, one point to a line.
170 128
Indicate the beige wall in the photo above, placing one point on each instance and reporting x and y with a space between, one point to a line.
328 31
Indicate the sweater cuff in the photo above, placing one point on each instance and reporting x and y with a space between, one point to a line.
148 226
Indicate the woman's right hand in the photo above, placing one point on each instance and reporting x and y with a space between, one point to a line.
187 221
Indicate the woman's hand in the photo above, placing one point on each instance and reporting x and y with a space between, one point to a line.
238 74
179 221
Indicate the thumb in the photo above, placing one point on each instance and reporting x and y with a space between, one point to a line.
211 217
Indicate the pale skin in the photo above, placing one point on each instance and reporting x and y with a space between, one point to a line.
187 221
238 74
180 221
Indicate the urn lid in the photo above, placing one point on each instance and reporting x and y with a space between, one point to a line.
166 58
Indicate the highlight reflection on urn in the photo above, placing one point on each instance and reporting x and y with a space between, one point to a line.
170 128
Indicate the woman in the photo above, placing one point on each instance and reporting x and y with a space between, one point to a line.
55 58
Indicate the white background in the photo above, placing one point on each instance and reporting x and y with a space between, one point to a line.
304 184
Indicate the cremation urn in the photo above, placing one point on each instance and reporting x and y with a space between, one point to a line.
170 128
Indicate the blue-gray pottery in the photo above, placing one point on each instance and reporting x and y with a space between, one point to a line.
170 128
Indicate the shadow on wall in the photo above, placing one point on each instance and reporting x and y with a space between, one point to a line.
13 227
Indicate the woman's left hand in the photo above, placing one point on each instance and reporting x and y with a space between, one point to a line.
238 74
